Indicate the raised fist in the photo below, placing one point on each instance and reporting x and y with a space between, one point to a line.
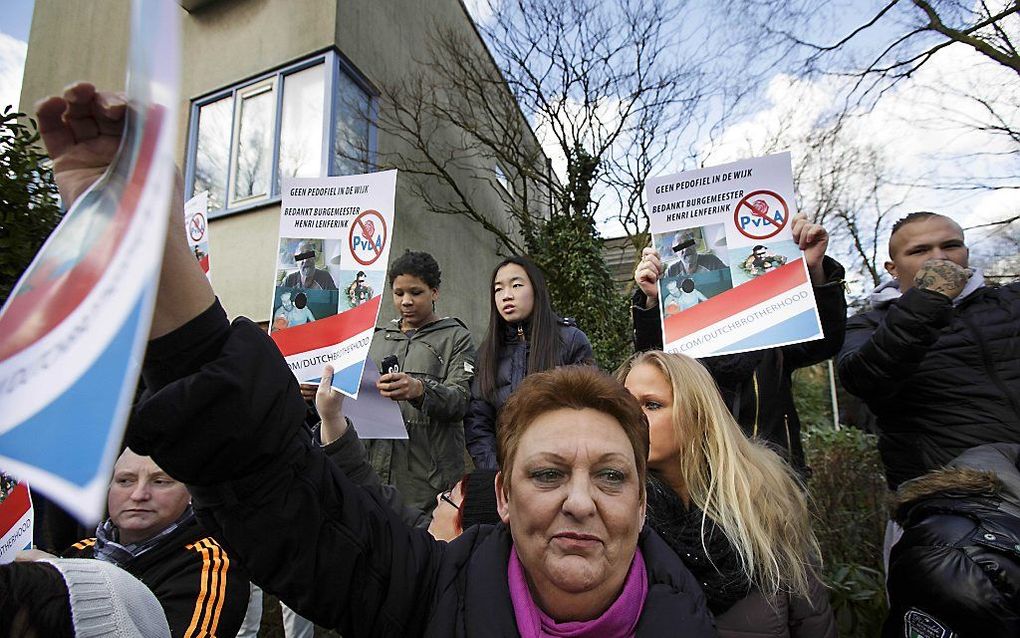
942 276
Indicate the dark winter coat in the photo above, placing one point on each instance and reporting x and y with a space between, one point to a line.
957 566
432 458
480 422
940 378
200 585
225 415
740 610
757 385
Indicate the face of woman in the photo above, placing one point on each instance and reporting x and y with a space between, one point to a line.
655 394
413 299
575 509
514 295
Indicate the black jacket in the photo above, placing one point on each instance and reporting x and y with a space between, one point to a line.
202 588
957 565
757 385
480 421
940 379
225 416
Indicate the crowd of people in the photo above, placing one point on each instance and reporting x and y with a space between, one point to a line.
668 498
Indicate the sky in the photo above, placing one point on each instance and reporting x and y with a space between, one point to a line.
15 22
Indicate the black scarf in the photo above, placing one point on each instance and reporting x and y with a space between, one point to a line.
719 571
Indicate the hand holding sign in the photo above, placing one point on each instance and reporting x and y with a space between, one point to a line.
647 275
813 239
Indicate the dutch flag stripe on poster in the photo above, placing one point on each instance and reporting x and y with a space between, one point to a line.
76 324
17 518
335 237
733 279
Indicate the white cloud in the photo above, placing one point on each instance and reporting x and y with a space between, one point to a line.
480 10
927 128
12 68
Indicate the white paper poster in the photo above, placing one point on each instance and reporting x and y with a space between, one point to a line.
75 327
335 237
733 278
196 224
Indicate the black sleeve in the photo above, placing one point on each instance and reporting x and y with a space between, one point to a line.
878 357
831 300
578 350
647 324
232 429
480 431
349 455
209 591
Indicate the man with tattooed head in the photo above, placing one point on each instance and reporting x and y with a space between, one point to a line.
937 358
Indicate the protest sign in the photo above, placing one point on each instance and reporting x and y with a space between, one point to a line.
76 324
335 236
17 518
196 226
733 278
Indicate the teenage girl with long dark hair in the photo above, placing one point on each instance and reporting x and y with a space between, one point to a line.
524 336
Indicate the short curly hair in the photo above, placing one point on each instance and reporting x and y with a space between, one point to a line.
576 387
417 264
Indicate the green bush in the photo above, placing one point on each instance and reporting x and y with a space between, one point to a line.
848 500
29 205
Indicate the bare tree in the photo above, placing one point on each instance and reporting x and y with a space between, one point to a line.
849 188
577 104
888 47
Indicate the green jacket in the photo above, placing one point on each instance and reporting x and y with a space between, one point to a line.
432 459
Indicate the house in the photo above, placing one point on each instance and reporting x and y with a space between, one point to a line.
278 87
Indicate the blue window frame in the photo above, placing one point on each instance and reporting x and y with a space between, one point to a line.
311 118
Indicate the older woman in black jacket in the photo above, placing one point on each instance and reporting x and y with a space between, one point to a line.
224 414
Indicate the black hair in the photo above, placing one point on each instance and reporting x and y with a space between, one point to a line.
360 273
34 597
916 216
759 247
687 285
544 332
417 264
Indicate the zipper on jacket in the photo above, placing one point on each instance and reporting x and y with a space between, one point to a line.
520 333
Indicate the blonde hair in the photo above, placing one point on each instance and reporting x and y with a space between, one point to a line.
746 489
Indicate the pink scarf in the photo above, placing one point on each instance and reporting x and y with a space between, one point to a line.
619 621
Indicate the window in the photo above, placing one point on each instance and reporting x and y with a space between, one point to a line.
309 119
501 178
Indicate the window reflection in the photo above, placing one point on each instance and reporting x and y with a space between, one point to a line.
285 115
353 116
254 142
213 151
301 124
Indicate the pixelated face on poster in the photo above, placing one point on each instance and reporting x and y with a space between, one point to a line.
733 280
305 288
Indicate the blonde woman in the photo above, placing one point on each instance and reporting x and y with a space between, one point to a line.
728 506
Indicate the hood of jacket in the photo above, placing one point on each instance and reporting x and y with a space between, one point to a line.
889 291
444 323
986 471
